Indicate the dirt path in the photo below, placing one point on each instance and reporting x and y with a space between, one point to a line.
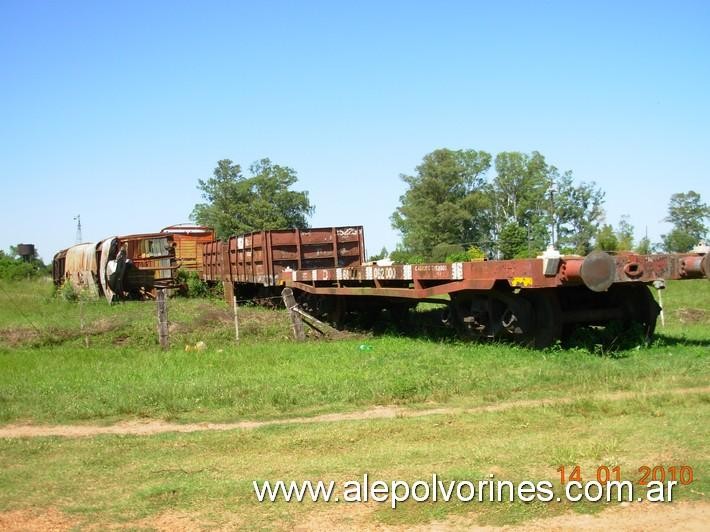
149 427
685 516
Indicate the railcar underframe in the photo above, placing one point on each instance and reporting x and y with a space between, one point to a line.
532 301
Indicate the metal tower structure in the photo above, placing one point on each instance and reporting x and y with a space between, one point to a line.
79 238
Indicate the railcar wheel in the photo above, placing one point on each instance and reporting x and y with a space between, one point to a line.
546 328
468 313
337 312
499 314
639 307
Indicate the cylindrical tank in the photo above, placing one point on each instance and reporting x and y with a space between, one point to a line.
26 251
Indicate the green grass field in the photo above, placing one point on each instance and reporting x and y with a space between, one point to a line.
48 375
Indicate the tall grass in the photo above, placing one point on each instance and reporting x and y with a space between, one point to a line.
48 375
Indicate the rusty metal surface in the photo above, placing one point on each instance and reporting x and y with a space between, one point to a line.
77 264
152 260
634 268
128 266
104 249
599 271
189 240
58 267
212 261
260 257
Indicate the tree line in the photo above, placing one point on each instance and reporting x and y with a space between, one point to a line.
458 205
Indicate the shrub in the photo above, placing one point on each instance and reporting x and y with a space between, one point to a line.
460 256
440 252
193 286
14 269
68 292
475 253
405 257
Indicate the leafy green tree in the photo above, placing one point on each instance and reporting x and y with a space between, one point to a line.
520 185
578 211
606 239
444 202
678 241
533 195
625 234
513 241
644 246
687 213
381 255
519 202
450 201
236 204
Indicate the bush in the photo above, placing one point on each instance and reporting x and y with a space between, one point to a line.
441 252
67 292
460 256
14 269
404 257
475 253
193 286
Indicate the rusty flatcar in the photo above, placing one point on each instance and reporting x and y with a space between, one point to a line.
533 301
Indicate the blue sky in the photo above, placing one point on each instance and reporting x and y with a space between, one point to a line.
114 110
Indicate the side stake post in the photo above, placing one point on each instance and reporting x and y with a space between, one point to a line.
296 321
162 319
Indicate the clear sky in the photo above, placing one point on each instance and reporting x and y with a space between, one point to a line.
114 110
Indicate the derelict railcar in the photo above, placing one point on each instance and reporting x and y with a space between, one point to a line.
253 262
534 301
189 239
131 266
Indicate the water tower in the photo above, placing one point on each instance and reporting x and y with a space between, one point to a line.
26 251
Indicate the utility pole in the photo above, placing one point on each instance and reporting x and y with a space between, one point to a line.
79 238
552 190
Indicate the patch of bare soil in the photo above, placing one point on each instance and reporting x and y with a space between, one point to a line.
22 336
686 516
149 427
104 325
34 519
341 517
15 336
691 315
27 336
170 520
634 517
207 315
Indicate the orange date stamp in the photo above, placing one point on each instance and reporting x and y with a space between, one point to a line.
682 474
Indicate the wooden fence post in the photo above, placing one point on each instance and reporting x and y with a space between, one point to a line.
81 320
296 321
162 319
236 319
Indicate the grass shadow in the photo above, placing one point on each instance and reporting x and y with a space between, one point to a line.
663 340
615 340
